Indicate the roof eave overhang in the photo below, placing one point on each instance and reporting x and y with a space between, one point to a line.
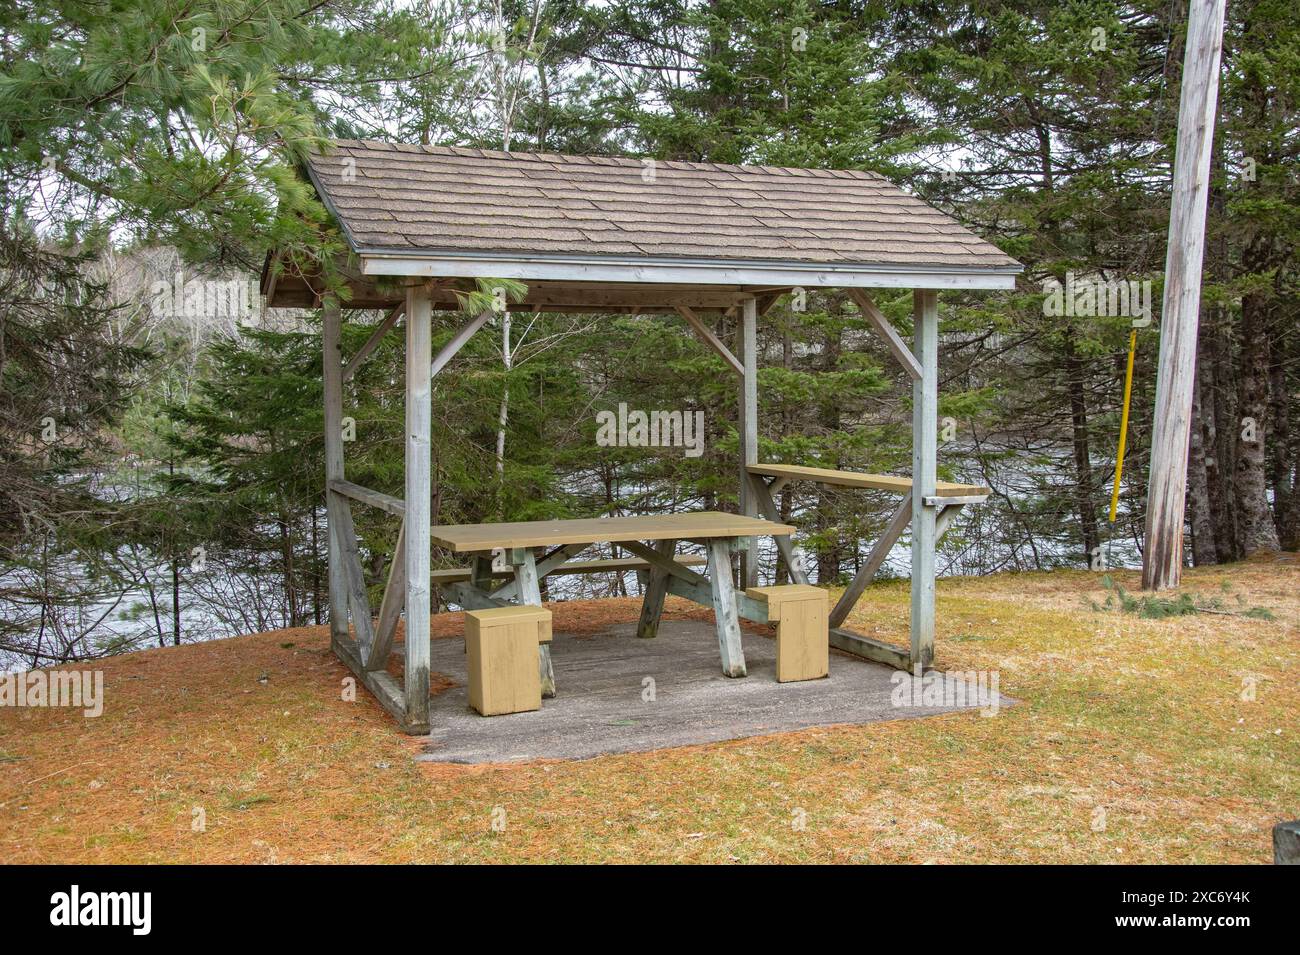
422 264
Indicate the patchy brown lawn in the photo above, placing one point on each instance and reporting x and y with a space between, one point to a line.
1132 744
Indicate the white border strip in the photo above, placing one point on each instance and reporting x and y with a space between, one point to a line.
702 273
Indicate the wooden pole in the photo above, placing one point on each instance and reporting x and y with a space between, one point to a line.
748 431
419 387
332 375
925 453
1162 558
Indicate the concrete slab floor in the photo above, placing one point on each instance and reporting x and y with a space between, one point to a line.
604 704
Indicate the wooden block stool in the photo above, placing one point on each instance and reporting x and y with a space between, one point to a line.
802 639
501 650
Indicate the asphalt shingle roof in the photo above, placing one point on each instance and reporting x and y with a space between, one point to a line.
405 198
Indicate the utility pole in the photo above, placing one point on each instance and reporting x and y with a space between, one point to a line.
1162 559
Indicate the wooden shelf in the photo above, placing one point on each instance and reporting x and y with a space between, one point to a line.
879 482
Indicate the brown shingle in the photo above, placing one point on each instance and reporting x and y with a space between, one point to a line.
402 197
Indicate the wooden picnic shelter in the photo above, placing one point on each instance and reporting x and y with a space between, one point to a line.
616 235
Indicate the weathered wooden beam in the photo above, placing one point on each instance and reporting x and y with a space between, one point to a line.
652 604
888 538
390 608
886 331
1162 556
640 269
940 500
763 496
546 296
419 423
724 608
945 518
548 565
656 558
385 688
869 649
469 597
364 495
458 341
373 341
767 300
748 432
702 594
345 534
925 449
332 374
710 339
481 571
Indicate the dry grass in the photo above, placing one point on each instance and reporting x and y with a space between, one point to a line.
1141 720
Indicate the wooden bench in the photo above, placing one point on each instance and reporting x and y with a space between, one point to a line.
948 500
503 653
799 612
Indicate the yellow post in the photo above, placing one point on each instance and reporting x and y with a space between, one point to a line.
1123 424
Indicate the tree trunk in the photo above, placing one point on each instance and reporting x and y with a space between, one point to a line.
315 567
1258 532
503 415
1223 414
1084 500
1290 536
1198 489
1281 444
176 601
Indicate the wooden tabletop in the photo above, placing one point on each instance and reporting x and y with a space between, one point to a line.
693 525
881 482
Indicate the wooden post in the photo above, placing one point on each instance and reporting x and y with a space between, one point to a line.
390 609
530 594
925 448
1162 558
656 588
332 375
723 598
419 387
748 432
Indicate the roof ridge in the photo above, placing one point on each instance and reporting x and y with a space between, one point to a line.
597 160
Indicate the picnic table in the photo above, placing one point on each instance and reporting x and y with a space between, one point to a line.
534 550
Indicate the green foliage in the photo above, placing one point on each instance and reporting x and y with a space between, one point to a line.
187 124
1155 607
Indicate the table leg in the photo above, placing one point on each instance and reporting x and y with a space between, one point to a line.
724 607
652 606
480 572
530 592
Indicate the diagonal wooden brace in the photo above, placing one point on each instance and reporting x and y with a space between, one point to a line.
888 538
763 497
390 610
